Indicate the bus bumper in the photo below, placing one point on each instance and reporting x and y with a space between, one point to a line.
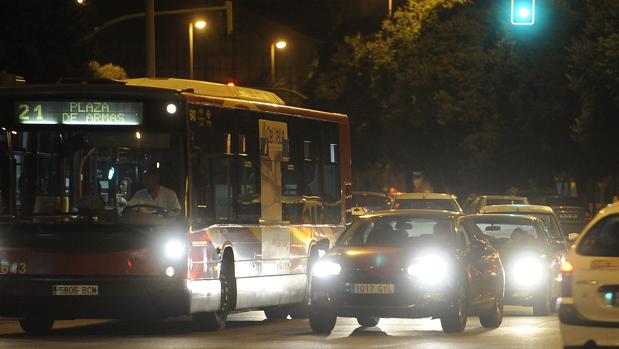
118 298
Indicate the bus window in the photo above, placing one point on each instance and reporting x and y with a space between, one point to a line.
247 163
331 175
4 173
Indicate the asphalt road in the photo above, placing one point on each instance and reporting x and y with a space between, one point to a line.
250 330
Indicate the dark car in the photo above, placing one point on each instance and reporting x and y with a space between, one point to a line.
571 212
408 264
367 201
531 257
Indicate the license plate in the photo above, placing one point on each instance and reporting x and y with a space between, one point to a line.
75 290
374 288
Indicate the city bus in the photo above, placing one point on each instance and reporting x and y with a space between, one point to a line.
261 188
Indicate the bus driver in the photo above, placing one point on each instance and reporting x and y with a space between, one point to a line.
154 193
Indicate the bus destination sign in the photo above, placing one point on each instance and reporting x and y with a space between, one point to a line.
95 113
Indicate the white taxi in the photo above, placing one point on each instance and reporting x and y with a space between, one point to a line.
426 201
589 303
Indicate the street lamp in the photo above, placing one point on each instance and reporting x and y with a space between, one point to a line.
80 2
199 24
280 44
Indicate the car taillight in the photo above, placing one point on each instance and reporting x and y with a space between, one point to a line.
566 279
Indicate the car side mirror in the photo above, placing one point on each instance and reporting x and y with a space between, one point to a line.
323 245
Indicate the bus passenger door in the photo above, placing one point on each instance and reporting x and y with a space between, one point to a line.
275 240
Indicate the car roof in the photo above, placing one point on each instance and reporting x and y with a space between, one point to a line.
413 213
425 196
368 193
509 197
517 209
503 218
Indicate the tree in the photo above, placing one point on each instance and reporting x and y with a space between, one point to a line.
594 76
107 71
447 89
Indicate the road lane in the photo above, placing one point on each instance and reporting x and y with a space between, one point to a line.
251 330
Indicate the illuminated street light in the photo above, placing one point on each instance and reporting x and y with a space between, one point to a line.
80 2
279 44
199 24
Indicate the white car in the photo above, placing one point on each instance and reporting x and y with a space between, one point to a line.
430 201
589 303
475 204
545 213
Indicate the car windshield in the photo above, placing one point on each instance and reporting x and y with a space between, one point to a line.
553 229
602 239
510 234
397 232
93 172
430 204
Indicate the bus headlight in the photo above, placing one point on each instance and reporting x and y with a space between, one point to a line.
322 269
430 269
527 271
171 108
174 249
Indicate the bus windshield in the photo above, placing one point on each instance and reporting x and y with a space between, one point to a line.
97 172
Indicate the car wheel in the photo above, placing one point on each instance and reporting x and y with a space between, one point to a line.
36 325
322 323
215 321
368 321
542 303
494 317
276 313
454 320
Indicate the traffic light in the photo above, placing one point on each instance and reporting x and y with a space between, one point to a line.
523 12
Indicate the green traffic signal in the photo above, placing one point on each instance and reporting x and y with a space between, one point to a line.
523 12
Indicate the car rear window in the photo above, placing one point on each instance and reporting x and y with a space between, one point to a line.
430 204
490 202
602 239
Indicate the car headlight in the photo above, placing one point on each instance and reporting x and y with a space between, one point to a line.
322 269
430 269
527 271
174 249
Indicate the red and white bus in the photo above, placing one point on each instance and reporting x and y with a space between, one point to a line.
261 187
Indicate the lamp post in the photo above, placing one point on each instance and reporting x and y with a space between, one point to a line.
280 44
389 7
199 24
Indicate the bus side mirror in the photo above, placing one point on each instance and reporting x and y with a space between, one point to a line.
323 245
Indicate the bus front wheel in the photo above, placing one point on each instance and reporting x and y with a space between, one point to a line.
215 321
